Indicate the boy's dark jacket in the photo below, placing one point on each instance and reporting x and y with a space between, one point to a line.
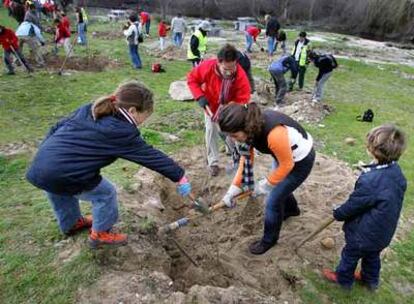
69 160
372 211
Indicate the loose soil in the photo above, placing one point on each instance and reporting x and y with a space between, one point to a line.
111 35
92 63
218 242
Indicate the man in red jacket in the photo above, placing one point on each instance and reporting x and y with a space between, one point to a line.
10 44
214 83
62 36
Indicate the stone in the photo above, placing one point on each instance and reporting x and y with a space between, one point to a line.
350 141
180 91
328 243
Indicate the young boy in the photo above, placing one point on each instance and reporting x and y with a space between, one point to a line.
372 211
163 28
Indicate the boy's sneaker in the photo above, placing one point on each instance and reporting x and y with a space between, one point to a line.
107 238
330 275
358 278
84 222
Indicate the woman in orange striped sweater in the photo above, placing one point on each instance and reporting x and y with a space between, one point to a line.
274 133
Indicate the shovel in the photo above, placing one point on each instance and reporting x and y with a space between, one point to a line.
318 230
185 220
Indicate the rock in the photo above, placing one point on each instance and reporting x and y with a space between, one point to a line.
350 141
328 243
180 91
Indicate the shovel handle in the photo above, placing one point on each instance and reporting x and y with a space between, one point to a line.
185 220
208 110
321 227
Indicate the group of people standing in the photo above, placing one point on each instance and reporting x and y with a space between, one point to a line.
98 133
30 32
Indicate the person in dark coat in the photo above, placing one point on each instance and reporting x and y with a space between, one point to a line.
372 211
272 32
277 69
325 63
68 163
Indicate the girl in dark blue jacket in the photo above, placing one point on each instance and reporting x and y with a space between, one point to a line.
68 163
372 211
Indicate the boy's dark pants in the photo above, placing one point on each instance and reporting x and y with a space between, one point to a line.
370 266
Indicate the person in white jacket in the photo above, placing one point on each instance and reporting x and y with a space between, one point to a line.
30 33
178 29
132 32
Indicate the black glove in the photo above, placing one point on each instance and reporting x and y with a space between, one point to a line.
203 102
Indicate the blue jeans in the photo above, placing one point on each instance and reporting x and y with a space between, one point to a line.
281 203
271 45
133 53
178 39
249 42
104 207
370 266
81 34
147 26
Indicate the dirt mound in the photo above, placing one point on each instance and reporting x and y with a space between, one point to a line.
111 35
218 242
297 104
92 63
171 52
17 148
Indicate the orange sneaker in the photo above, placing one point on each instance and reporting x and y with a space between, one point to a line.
84 222
330 275
101 238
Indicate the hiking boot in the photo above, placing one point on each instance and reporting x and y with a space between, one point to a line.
107 238
289 214
259 247
84 222
214 170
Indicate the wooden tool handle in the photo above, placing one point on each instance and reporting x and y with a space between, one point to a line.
321 227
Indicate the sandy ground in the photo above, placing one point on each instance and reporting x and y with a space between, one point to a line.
218 242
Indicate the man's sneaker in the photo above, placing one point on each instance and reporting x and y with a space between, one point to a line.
10 73
107 238
84 222
259 247
214 170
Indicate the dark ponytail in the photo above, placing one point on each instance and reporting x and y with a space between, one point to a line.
247 118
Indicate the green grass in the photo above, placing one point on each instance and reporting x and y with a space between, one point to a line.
30 271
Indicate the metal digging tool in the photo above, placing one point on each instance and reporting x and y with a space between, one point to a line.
28 70
199 205
318 230
185 220
68 55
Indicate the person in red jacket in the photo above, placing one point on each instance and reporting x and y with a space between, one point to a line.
162 32
251 35
10 44
214 83
145 21
62 36
64 19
